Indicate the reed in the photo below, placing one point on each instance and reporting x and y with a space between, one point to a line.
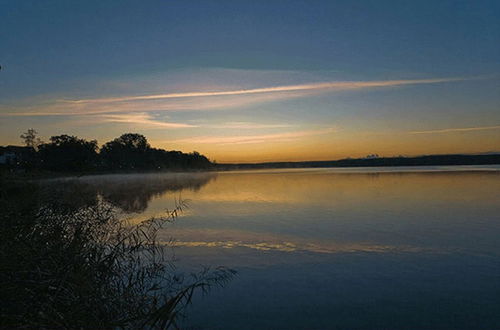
86 268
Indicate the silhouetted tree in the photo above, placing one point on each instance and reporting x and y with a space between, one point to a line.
68 153
126 152
160 159
131 141
130 151
30 139
197 160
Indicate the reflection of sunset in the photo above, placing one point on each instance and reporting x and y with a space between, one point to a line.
314 210
230 239
291 247
331 187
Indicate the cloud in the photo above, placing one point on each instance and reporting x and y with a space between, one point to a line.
248 125
142 119
451 130
203 100
334 85
250 139
188 104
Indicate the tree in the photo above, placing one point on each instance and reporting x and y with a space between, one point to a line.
30 138
129 151
68 153
131 141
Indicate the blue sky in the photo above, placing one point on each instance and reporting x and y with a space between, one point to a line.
75 67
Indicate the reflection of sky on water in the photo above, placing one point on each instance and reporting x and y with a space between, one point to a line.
329 248
437 210
320 249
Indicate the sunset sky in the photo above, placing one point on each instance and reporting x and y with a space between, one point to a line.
252 81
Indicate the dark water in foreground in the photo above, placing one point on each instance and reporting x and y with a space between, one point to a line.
390 248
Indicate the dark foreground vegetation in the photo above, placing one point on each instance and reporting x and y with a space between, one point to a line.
73 264
130 152
433 160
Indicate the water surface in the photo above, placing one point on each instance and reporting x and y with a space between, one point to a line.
372 248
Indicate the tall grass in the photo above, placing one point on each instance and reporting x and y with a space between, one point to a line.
64 267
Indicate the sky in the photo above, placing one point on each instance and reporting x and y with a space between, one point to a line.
255 81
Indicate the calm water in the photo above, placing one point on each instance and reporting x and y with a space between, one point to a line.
385 248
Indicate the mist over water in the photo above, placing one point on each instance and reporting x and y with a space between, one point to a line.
397 248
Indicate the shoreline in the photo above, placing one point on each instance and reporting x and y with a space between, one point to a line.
356 163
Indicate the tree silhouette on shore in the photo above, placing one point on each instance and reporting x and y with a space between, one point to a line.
129 152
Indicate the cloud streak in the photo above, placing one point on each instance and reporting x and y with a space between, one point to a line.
252 139
196 100
143 119
461 129
334 85
195 104
248 125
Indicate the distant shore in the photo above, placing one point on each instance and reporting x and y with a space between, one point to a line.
430 160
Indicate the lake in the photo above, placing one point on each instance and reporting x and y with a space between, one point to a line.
359 248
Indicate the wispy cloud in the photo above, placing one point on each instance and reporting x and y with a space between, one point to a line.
187 104
137 120
202 100
461 129
248 139
142 119
335 85
248 125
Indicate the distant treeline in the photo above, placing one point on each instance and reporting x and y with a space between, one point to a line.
433 160
66 153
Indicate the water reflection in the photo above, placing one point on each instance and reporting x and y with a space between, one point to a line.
441 211
315 248
130 193
294 247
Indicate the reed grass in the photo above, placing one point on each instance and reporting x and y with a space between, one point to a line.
86 268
